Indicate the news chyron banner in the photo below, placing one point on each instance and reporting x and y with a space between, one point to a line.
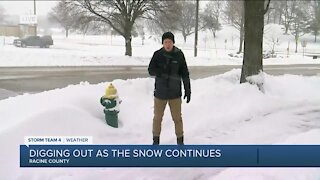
66 151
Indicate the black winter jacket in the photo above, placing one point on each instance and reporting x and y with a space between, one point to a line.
169 68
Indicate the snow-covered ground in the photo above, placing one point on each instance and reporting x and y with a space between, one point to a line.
221 111
80 50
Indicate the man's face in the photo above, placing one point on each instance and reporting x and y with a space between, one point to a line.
168 45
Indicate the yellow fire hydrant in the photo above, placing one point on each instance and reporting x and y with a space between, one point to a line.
111 103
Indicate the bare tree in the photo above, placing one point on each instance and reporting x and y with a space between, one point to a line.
2 11
268 16
289 13
275 12
187 20
253 40
100 28
85 23
271 42
210 16
139 28
165 20
314 26
64 14
234 13
119 14
298 25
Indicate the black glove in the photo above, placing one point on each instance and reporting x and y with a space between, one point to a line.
188 96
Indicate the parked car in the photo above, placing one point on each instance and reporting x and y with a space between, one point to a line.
43 42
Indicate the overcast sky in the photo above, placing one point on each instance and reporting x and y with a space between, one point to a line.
14 7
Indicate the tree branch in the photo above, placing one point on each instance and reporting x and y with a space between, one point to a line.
267 8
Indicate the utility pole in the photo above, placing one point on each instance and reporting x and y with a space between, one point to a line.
34 7
196 31
35 14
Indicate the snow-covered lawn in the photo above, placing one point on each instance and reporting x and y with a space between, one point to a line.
69 53
221 111
108 50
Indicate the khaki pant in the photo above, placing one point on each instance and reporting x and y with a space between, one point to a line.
175 109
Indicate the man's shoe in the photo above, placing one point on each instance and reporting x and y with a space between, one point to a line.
180 140
156 140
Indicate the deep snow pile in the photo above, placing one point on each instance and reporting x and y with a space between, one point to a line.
221 111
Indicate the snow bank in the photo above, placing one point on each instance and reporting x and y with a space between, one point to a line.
221 111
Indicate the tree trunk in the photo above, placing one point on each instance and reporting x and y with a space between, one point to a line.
280 13
196 30
315 37
280 17
241 44
67 32
85 31
286 28
296 38
286 18
241 33
241 40
128 40
184 38
253 39
275 17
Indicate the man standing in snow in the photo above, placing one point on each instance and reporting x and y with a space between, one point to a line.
169 66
